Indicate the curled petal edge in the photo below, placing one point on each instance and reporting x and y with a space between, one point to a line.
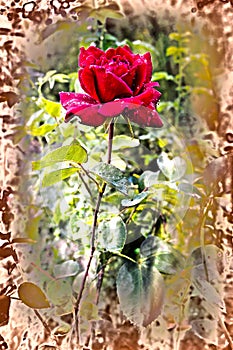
92 113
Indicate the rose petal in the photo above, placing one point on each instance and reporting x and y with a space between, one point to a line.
91 51
117 82
83 106
147 57
127 48
87 82
143 116
151 84
109 86
129 76
140 76
110 53
69 98
91 116
112 109
126 53
146 97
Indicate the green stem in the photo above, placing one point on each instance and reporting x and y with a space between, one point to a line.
125 257
93 232
100 33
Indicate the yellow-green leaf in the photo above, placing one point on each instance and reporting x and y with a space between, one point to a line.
32 296
124 141
50 107
89 311
172 50
62 330
42 129
58 175
162 75
73 153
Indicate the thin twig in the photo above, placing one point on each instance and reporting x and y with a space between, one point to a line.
46 326
86 186
87 173
99 283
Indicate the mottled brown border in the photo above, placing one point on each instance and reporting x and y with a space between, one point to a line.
17 18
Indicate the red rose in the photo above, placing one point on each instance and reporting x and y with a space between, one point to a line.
116 82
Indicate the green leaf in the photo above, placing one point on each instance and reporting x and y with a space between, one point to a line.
50 107
142 47
77 283
45 79
60 294
175 36
61 330
48 75
148 178
189 189
114 198
50 179
113 176
162 143
166 259
124 141
134 201
42 130
165 105
168 263
61 78
162 75
32 296
174 169
74 82
89 311
110 37
176 51
66 269
141 292
72 153
172 51
180 37
112 234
